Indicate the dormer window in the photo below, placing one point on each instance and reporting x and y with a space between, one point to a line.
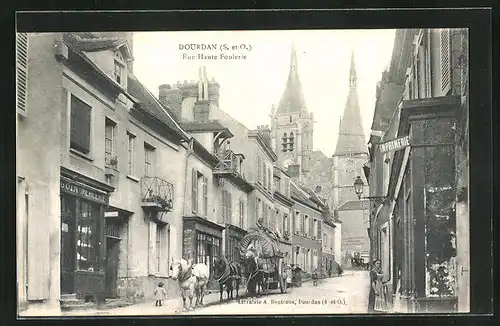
118 72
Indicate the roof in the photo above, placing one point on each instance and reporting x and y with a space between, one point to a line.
213 126
292 100
151 105
355 205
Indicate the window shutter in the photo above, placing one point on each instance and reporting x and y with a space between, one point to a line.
21 71
445 59
229 208
80 125
223 207
194 199
259 172
205 196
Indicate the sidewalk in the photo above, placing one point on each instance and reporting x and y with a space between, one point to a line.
171 306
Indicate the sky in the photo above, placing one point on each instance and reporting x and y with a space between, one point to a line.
249 87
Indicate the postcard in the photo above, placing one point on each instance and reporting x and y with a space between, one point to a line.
280 172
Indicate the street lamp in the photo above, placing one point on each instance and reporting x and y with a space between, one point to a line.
358 188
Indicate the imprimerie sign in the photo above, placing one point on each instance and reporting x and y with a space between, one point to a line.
72 187
395 144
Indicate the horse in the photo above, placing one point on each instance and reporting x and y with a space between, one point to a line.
228 274
257 277
192 280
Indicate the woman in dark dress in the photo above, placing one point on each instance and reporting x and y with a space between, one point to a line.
376 270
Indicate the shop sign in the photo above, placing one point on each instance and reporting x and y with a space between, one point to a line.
395 144
83 191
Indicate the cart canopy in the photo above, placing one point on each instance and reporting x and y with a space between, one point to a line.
262 242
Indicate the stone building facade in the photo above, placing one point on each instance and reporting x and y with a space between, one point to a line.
111 198
428 263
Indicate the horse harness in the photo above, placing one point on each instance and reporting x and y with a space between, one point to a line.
186 275
227 273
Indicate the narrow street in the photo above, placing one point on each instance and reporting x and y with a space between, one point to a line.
340 295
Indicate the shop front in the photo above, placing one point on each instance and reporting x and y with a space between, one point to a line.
83 246
424 212
233 238
202 240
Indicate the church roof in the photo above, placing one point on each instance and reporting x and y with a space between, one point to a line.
351 138
292 100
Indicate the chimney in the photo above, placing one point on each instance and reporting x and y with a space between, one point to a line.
266 133
171 98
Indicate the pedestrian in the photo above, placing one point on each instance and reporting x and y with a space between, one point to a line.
375 284
160 294
315 277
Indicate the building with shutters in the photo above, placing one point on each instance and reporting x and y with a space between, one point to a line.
100 201
283 211
420 227
307 228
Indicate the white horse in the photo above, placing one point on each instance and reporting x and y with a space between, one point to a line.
192 280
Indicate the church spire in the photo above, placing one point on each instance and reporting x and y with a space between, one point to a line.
352 72
351 138
292 100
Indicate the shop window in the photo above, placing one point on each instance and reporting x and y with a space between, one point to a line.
88 236
80 125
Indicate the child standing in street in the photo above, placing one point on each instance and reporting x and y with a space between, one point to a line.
160 294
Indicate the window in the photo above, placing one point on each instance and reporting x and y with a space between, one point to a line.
290 119
109 143
205 196
87 236
284 142
325 240
21 71
227 210
149 165
259 169
302 225
276 184
130 153
298 223
264 169
257 208
159 230
80 125
194 190
118 72
291 142
242 214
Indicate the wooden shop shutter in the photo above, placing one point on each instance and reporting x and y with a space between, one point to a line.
80 125
39 243
445 58
194 186
21 71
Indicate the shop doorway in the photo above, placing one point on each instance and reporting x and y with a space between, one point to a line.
112 258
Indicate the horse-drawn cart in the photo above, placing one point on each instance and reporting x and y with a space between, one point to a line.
263 261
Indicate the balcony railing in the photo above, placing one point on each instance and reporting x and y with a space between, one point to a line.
229 162
157 192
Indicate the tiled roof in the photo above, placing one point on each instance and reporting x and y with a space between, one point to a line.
151 105
355 205
213 125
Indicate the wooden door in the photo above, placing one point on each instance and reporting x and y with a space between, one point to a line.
112 258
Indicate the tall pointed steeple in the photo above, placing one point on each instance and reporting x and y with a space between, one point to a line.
351 138
292 100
